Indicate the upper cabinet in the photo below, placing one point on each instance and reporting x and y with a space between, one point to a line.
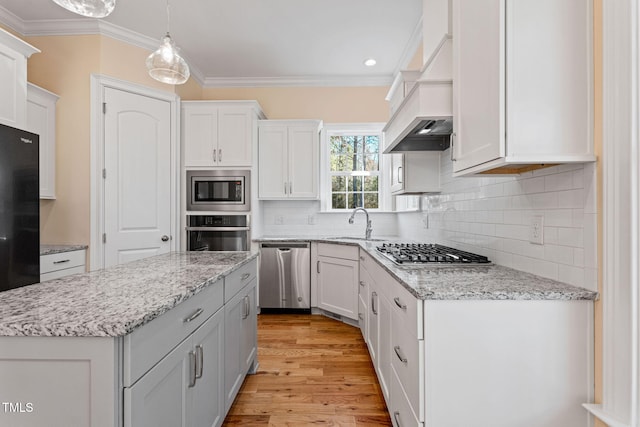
523 86
219 133
415 173
41 119
288 159
13 79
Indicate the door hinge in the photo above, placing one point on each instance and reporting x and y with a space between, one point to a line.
104 108
104 174
104 237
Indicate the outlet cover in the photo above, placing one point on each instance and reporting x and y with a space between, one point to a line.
536 230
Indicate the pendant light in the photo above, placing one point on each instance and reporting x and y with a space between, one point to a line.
165 64
90 8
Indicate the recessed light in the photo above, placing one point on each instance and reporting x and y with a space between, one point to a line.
370 62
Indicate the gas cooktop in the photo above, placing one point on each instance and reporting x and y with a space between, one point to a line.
428 253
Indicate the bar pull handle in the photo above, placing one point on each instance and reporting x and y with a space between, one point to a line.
396 417
290 187
374 297
199 361
245 276
214 155
195 314
285 188
192 369
400 303
452 139
400 174
220 155
318 267
62 261
361 282
401 356
246 307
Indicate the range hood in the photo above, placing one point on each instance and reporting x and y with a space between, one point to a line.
424 118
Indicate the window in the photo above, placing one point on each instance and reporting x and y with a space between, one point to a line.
354 169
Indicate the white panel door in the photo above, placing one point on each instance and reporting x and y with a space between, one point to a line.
303 162
137 184
478 82
338 286
234 137
272 162
200 135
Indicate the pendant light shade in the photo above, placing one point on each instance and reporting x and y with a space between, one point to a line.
166 65
90 8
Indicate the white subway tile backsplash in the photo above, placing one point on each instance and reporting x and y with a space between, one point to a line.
492 215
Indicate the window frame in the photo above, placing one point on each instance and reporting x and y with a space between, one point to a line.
331 129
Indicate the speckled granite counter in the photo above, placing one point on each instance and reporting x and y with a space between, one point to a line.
114 301
448 282
56 249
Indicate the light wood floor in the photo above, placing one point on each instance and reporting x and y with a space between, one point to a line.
314 371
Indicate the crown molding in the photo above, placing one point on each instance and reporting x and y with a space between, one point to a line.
82 26
324 81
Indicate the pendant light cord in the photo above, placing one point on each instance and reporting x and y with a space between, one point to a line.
168 17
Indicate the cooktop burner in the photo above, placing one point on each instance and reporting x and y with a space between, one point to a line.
428 253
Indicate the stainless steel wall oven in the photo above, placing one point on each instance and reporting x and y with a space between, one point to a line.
218 232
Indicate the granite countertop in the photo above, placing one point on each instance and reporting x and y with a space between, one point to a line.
56 249
114 301
451 282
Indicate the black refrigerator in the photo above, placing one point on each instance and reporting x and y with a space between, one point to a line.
19 208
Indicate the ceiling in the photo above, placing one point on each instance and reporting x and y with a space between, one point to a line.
253 42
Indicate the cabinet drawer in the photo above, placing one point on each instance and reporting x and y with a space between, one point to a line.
407 307
239 279
61 261
339 251
407 359
62 273
145 346
400 409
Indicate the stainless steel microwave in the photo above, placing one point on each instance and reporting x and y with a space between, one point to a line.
219 190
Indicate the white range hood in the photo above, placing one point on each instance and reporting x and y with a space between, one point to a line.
423 120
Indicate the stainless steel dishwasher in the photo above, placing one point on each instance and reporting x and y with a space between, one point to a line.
285 277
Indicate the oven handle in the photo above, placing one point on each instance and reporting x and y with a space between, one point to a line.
217 228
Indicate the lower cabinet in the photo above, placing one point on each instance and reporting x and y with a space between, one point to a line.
240 337
184 388
54 266
337 279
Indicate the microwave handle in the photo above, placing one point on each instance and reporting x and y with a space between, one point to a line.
217 228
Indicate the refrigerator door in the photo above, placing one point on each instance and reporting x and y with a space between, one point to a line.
285 276
19 208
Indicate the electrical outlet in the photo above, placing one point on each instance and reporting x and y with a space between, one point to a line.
279 220
536 230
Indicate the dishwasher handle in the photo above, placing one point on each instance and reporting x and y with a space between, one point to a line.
284 245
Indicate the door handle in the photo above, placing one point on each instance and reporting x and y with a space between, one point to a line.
245 276
318 266
199 361
399 303
401 356
452 139
290 187
374 297
165 238
214 155
195 314
396 416
220 155
285 188
62 261
399 174
192 369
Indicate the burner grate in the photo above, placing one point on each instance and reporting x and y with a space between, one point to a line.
425 253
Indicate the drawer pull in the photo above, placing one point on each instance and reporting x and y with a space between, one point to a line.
192 369
361 282
199 361
399 354
245 276
396 417
195 314
62 261
360 316
399 303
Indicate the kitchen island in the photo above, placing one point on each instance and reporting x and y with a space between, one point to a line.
162 341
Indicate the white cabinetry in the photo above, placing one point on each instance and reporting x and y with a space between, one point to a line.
41 120
54 266
13 79
288 159
185 388
337 279
219 133
240 329
415 172
526 100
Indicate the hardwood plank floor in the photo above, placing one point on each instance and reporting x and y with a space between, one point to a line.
314 371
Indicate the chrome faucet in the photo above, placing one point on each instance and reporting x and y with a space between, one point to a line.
367 233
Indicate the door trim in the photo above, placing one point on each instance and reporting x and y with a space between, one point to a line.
98 85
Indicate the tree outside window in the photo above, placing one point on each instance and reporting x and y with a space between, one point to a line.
354 171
